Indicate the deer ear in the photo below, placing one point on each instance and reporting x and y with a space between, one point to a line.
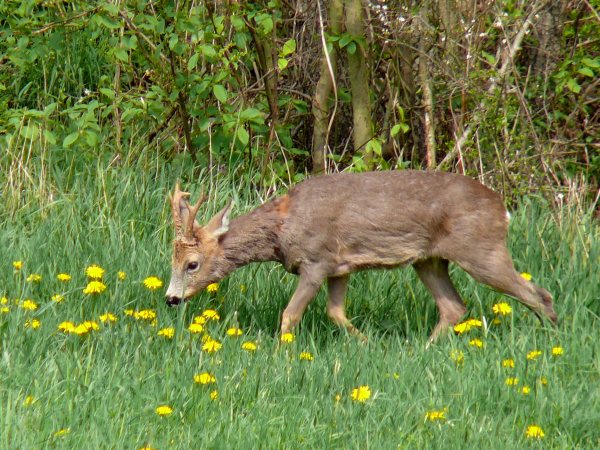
219 224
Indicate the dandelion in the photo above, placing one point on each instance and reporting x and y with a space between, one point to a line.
212 288
544 381
34 324
436 416
557 351
508 363
502 309
234 332
66 327
306 356
153 283
94 272
4 310
525 390
287 338
534 432
511 381
457 356
3 301
29 400
249 346
214 395
129 312
164 410
167 333
108 318
62 432
361 394
94 287
17 265
145 314
29 305
211 345
121 275
200 320
476 343
34 278
243 288
467 325
64 277
533 355
205 378
526 276
57 298
211 314
195 328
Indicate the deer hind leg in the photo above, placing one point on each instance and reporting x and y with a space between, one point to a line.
305 292
495 268
336 288
433 272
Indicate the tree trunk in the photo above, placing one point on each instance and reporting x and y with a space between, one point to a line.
359 80
425 84
326 83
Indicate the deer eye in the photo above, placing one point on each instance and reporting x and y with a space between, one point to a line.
193 265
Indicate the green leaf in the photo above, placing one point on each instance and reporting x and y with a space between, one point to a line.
50 137
282 63
91 138
573 85
70 139
121 54
251 114
193 62
398 128
586 71
220 93
208 51
288 48
374 146
593 63
345 39
351 48
108 92
173 41
107 22
30 132
243 136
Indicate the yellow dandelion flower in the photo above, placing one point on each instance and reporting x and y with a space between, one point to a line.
164 410
200 320
121 275
91 325
34 324
17 265
214 395
64 277
34 278
147 447
534 432
145 314
29 305
205 378
533 355
94 272
526 276
508 363
496 321
249 346
62 432
5 310
211 314
196 328
306 356
502 309
287 338
129 312
3 301
544 381
167 332
234 332
108 318
361 394
511 381
66 327
57 298
436 415
243 288
153 283
211 346
476 343
525 390
467 325
94 287
212 288
29 400
557 351
457 356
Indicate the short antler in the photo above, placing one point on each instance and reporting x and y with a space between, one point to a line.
184 214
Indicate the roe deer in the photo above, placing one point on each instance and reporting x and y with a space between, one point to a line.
330 226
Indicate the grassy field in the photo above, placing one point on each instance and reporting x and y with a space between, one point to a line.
100 388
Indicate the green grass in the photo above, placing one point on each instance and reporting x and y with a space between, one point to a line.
105 387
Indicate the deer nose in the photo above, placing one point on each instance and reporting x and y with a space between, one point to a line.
173 301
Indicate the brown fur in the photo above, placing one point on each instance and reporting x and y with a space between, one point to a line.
330 226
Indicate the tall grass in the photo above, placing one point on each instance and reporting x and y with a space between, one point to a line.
104 387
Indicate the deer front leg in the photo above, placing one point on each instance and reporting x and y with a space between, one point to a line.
305 291
337 287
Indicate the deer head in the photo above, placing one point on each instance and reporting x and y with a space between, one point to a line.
197 252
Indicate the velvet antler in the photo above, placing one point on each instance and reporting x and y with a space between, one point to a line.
184 215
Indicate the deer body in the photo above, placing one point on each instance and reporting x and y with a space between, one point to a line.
327 227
